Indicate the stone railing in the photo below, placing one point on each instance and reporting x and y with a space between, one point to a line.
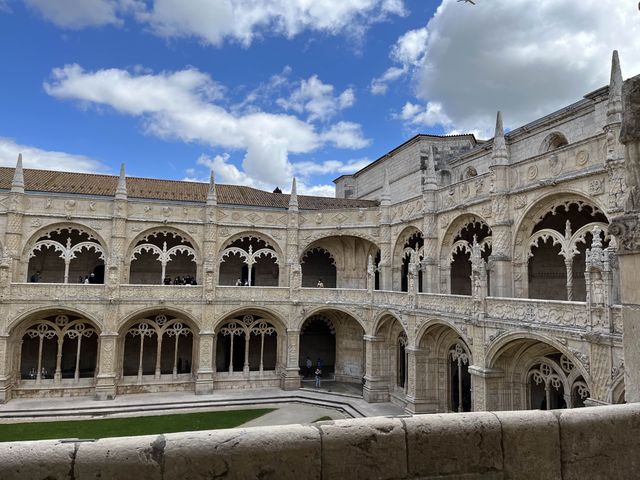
583 443
563 314
57 291
454 304
252 294
539 312
174 293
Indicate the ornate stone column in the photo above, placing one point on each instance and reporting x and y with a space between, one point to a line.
375 388
107 364
626 229
204 375
416 380
290 378
291 271
429 267
210 243
500 259
484 388
13 234
385 265
5 366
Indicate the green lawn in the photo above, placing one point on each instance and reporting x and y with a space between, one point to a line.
123 427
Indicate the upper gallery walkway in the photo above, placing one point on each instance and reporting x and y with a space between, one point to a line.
568 315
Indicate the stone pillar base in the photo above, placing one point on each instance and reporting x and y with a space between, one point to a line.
105 388
415 406
374 391
5 391
204 383
290 379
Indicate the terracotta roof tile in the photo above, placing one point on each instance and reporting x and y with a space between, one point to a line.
148 188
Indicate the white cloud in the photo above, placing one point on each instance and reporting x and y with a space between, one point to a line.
410 47
228 173
407 52
316 98
307 168
214 21
242 20
430 114
75 14
522 57
182 105
346 135
380 85
33 157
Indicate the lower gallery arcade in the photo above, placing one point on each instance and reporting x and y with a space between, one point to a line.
61 353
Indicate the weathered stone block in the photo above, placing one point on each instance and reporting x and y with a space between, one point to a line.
531 443
278 453
372 448
454 444
49 459
600 442
139 458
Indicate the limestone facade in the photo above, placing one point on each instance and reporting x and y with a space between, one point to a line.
477 276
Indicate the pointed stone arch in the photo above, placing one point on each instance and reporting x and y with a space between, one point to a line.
550 243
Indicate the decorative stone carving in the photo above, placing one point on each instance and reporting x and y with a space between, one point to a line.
630 138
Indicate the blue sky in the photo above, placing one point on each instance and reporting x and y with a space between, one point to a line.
265 90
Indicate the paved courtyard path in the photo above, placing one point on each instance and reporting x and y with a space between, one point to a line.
297 406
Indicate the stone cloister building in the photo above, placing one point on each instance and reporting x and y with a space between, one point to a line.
458 275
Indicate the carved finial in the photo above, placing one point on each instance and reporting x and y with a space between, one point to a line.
385 198
597 241
17 184
499 155
212 197
567 229
121 190
431 182
293 198
614 107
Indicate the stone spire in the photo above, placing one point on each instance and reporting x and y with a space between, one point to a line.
430 180
614 107
212 197
385 198
121 189
499 156
17 184
293 198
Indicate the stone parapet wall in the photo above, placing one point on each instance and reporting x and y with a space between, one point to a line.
587 443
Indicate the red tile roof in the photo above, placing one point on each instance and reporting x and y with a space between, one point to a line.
50 181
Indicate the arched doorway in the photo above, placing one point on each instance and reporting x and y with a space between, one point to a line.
551 244
536 375
248 351
340 261
66 254
446 382
460 256
163 257
249 261
335 340
157 349
318 268
55 351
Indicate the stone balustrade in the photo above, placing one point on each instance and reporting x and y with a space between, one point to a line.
521 311
585 443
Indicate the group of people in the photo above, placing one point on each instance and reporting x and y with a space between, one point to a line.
186 280
318 371
91 278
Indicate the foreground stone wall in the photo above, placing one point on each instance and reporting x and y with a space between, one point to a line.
585 443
